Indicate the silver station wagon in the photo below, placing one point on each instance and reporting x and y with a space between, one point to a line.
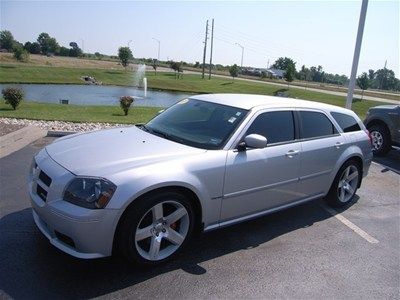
206 162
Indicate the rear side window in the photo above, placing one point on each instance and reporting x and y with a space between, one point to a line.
315 124
277 126
346 122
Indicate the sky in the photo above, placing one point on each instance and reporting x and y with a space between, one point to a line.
310 32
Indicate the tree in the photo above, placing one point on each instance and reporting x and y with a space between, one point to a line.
282 63
177 67
124 54
20 53
363 82
289 73
155 66
6 40
64 51
234 71
75 51
33 48
371 74
13 96
48 44
385 79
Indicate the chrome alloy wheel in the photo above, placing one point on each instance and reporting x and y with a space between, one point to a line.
348 183
162 230
377 139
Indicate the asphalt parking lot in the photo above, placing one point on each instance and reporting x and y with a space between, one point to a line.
303 252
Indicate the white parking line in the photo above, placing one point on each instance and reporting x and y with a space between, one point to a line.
351 225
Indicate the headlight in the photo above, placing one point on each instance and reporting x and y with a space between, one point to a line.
89 192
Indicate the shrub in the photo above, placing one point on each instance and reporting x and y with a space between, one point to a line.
125 103
13 96
20 53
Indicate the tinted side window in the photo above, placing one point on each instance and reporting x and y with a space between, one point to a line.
277 126
315 124
346 122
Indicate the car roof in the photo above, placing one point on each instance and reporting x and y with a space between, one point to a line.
248 101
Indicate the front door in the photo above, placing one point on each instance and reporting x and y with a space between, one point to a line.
260 179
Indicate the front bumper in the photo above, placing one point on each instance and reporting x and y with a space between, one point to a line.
80 232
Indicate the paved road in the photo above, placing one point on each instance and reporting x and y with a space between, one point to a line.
344 94
302 252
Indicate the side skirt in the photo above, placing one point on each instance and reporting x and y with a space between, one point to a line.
261 213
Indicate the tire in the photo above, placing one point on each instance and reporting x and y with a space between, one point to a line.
345 185
380 139
156 228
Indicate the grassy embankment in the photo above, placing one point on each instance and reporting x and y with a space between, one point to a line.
166 81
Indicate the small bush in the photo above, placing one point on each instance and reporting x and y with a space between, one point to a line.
125 103
20 53
13 96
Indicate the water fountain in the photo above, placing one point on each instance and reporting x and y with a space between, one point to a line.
145 86
139 80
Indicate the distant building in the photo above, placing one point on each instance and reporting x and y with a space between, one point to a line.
275 73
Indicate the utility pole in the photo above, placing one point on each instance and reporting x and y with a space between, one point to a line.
205 49
241 61
158 53
356 56
212 42
268 64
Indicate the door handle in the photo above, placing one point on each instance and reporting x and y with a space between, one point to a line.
292 153
338 145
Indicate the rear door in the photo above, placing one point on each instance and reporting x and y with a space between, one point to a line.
322 146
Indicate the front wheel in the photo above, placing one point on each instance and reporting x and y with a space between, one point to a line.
345 185
156 228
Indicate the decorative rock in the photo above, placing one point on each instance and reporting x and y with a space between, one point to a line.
60 125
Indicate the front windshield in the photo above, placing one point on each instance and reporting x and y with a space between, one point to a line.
197 123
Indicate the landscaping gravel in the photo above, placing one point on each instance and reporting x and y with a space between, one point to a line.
56 125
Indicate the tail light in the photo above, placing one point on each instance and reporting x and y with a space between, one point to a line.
369 136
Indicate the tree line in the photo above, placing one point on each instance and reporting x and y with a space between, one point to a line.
383 79
44 44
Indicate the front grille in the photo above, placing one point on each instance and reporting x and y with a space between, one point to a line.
44 178
42 193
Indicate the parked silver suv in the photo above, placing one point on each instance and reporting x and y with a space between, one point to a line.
206 162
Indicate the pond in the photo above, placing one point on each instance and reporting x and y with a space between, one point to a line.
95 94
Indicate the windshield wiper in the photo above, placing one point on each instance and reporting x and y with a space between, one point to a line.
161 133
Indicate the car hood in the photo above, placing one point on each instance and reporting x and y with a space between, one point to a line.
388 106
104 152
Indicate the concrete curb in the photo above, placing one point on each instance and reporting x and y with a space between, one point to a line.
55 133
18 139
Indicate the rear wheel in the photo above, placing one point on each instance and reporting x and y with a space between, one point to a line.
156 228
380 139
345 185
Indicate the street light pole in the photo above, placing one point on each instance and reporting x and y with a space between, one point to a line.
241 62
356 56
158 41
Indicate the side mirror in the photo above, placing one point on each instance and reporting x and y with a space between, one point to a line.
255 141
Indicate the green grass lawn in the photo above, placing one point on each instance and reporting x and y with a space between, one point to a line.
191 83
76 113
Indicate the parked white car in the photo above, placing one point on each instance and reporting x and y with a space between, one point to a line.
206 162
